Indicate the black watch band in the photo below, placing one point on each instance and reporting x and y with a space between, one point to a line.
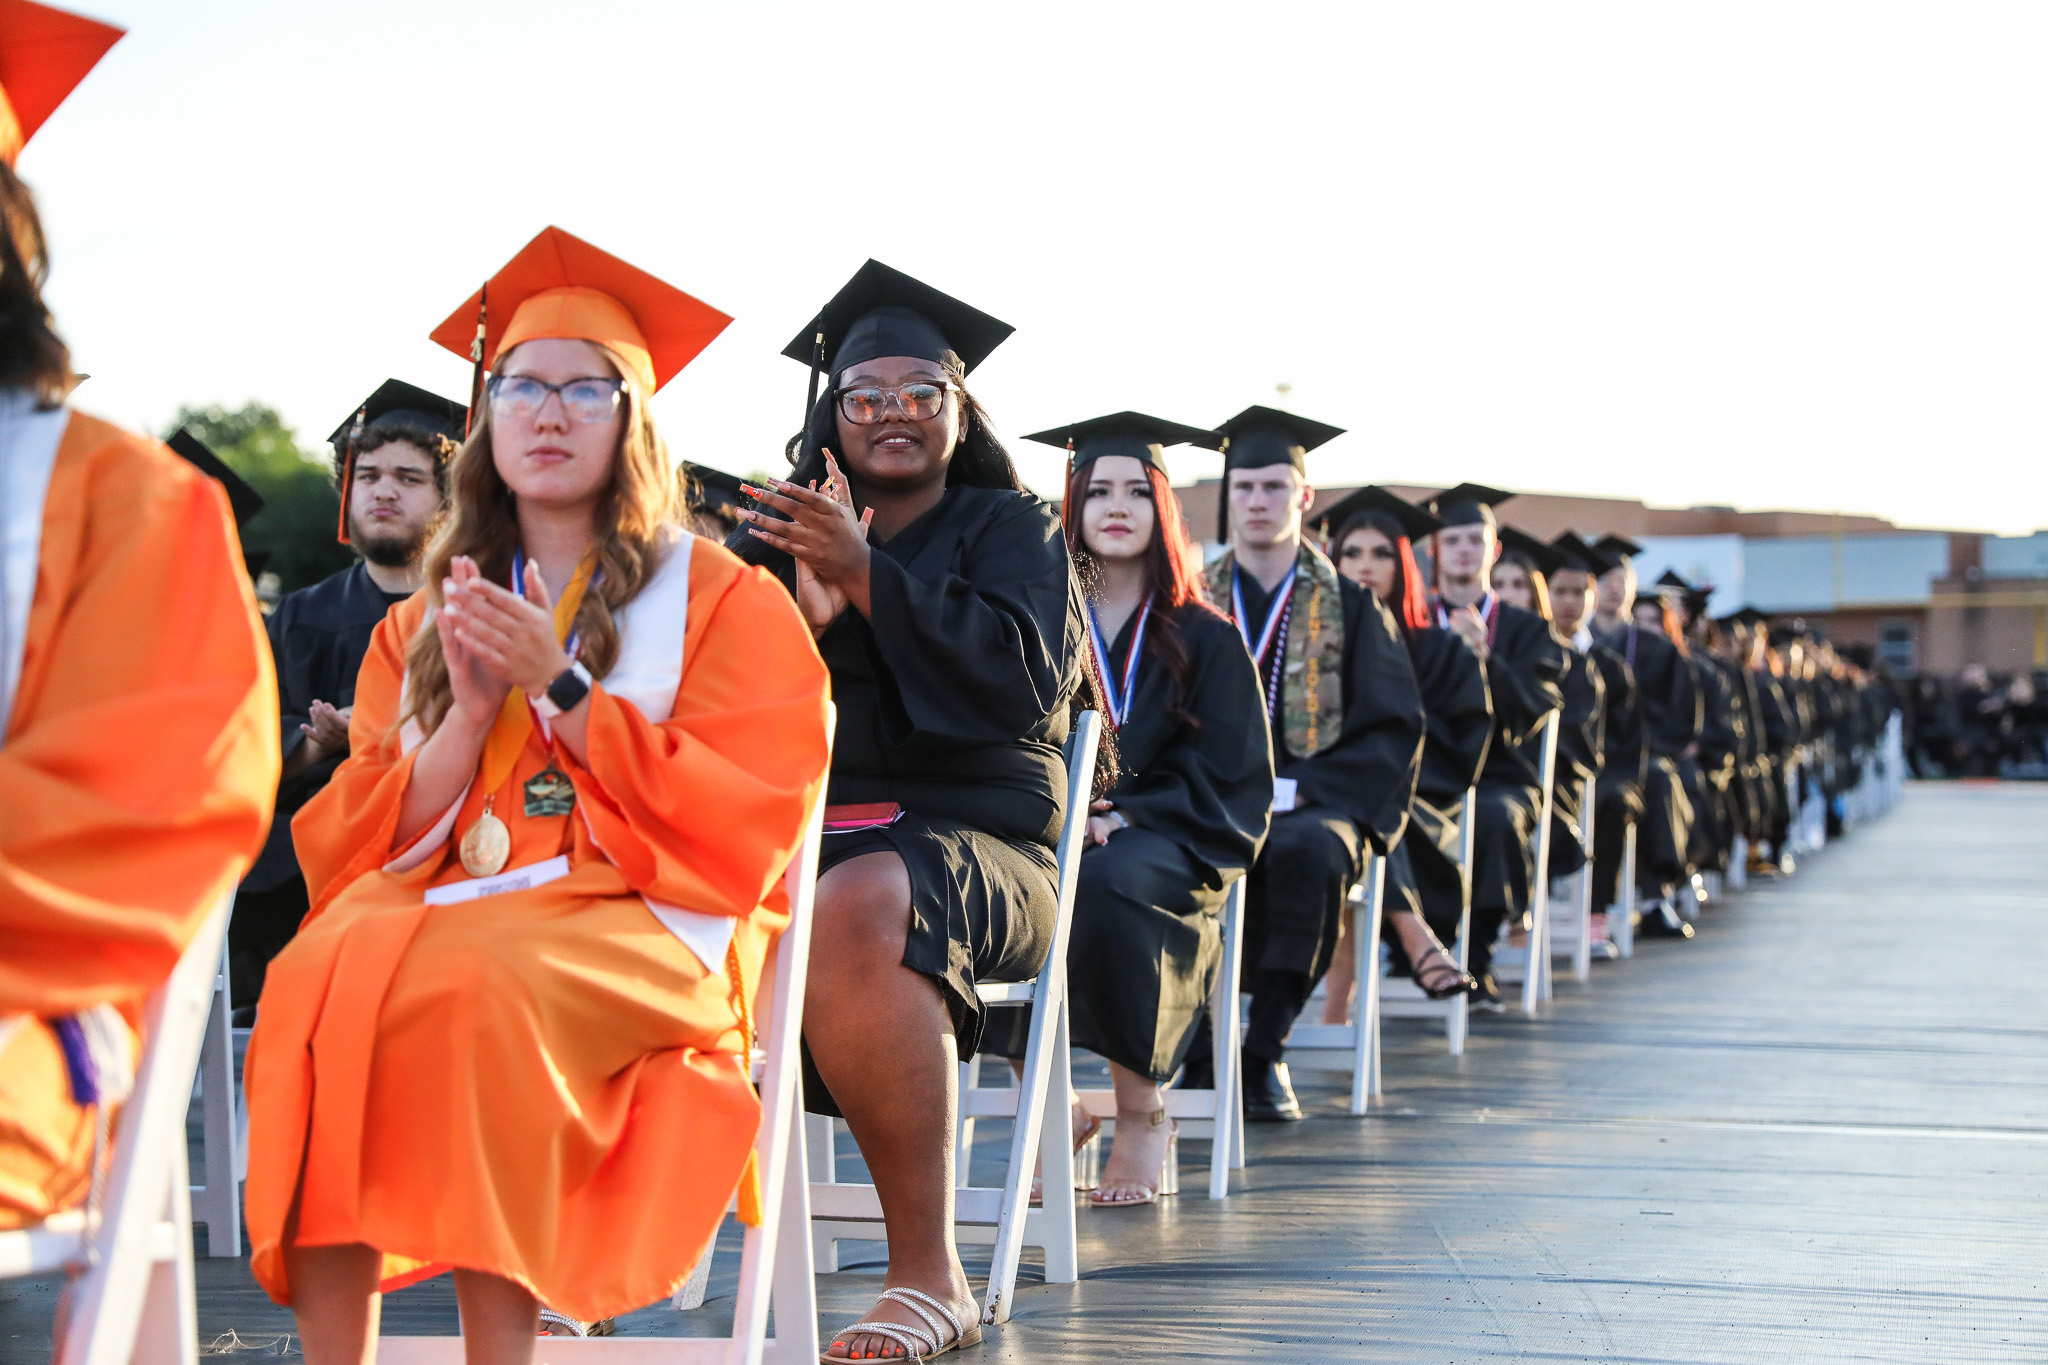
566 692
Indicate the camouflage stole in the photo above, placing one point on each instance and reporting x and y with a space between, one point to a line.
1312 679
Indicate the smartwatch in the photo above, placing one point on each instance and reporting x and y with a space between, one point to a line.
565 693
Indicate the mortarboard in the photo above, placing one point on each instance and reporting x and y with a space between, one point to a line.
1617 548
1469 504
562 286
1745 616
394 404
44 54
1541 553
881 311
1694 598
1413 521
245 501
1575 553
1134 434
711 489
1262 436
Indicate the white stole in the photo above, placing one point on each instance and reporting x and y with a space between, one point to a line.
28 452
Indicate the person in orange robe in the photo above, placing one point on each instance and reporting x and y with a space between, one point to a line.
137 707
510 1038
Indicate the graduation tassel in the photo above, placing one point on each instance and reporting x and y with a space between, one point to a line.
476 359
804 451
748 1195
348 471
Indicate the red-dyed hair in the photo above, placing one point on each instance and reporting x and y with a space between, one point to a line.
1173 571
1668 614
1411 602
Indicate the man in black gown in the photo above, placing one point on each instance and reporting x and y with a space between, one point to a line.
1618 791
394 491
1524 665
1347 726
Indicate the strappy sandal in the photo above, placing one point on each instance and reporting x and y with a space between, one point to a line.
1461 982
917 1346
1168 1180
553 1324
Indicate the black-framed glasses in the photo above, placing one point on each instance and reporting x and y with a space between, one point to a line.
521 397
868 404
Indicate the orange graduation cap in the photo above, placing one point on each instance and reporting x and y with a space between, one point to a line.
44 54
562 286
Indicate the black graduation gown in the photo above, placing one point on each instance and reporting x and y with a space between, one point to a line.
318 637
1671 725
1624 763
1523 672
1706 774
952 702
1147 937
1579 739
1353 793
1423 875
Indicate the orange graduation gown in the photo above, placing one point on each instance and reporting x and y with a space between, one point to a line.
544 1084
136 776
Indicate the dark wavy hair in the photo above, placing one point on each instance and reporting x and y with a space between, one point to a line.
32 355
1539 586
1173 576
1411 602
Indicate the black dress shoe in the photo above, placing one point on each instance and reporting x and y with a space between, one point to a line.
1660 920
1486 995
1198 1072
1268 1098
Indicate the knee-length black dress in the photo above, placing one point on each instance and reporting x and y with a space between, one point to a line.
952 697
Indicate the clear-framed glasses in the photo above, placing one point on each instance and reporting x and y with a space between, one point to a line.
521 397
919 402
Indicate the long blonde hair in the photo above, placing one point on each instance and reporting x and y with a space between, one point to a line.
635 521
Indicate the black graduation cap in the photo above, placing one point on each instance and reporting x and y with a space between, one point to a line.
245 501
1617 548
397 403
1745 616
1575 553
1413 521
710 489
1540 553
1124 433
1694 597
882 311
1468 504
1262 436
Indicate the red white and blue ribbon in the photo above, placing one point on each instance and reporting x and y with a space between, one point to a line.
1118 698
1273 634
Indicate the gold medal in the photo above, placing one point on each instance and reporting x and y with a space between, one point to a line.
486 845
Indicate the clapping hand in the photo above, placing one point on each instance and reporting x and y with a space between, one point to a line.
823 534
1468 625
326 731
475 688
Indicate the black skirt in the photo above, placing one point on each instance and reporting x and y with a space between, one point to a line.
981 909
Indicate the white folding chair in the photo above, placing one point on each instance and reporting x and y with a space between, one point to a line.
218 1202
1534 966
775 1258
1621 917
1003 1215
1215 1113
1572 935
134 1304
1353 1047
1401 998
1737 876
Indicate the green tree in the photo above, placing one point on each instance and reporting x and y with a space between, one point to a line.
293 536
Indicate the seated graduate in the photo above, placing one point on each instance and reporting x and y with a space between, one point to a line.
943 601
1618 792
1193 793
391 468
1669 703
1521 578
1373 546
1710 776
1524 661
512 1036
1347 724
138 715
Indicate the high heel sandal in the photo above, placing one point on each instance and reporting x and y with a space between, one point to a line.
1461 981
1168 1180
1081 1180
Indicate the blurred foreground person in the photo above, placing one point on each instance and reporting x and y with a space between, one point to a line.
941 596
391 468
137 707
1347 726
511 1038
1373 546
1618 790
1193 793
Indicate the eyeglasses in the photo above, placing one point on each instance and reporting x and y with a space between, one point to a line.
919 402
521 397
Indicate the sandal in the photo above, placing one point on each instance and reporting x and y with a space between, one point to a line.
1168 1179
917 1345
1086 1136
1451 979
553 1324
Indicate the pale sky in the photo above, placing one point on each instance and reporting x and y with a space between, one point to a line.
1770 255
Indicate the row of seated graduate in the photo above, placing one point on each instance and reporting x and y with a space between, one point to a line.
539 760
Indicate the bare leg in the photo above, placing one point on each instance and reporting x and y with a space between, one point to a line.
1137 1155
500 1320
1339 981
335 1302
1419 943
883 1043
1085 1126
